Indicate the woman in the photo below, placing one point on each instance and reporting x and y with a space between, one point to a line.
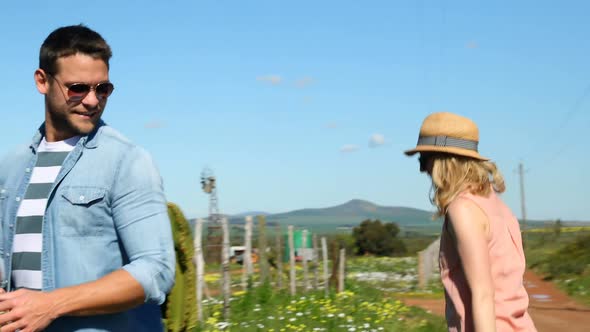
481 256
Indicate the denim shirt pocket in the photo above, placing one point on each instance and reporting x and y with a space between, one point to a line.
82 211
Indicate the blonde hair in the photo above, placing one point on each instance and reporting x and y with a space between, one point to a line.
452 175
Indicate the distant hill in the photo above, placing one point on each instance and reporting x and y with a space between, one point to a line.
249 213
363 209
342 217
351 214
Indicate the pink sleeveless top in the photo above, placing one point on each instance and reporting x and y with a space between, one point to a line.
507 262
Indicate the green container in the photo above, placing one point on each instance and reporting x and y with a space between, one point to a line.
298 243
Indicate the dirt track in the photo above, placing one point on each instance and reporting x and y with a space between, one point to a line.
550 308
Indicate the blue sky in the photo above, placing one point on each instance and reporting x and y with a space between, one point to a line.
282 99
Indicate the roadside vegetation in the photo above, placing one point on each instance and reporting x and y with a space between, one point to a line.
561 255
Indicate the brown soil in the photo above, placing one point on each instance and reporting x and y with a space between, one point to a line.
550 308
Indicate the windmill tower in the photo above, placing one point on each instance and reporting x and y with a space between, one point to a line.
209 186
214 237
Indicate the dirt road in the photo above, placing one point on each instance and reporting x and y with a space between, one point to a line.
550 308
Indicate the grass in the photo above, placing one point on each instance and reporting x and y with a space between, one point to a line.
374 285
417 243
364 306
394 275
359 308
563 257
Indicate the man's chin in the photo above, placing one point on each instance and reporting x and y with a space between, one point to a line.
84 129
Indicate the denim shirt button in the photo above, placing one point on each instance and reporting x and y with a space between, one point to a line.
18 199
2 191
7 254
11 225
82 197
28 170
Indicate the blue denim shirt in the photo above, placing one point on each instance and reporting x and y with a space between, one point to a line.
106 211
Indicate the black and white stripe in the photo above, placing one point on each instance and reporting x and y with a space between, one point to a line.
28 240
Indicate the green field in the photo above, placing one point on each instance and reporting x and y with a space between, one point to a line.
356 309
561 255
374 285
365 305
332 225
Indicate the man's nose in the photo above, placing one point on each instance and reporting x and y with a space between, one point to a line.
91 100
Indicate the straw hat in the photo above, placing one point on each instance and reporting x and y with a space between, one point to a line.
448 133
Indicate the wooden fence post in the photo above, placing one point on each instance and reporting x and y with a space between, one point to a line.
262 260
226 287
199 264
421 274
325 257
342 261
291 261
315 262
279 258
303 255
335 255
247 254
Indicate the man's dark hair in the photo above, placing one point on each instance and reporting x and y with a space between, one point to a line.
70 40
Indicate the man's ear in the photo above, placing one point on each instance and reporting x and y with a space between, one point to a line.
41 81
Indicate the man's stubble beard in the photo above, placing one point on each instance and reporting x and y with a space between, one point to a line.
63 122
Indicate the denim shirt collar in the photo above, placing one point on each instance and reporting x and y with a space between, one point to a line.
89 141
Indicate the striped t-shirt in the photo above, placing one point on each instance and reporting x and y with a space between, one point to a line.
28 240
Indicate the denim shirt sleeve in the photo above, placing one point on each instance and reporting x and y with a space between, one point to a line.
141 218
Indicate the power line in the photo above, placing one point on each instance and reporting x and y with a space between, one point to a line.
576 107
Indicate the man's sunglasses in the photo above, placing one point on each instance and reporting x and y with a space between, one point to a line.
78 91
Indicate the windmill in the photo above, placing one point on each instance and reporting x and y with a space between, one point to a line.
209 185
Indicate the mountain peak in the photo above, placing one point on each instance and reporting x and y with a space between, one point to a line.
357 201
356 207
353 212
360 204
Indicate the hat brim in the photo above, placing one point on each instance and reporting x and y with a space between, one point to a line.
446 149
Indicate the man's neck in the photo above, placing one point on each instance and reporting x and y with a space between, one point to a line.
53 136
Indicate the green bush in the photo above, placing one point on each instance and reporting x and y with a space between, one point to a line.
179 309
571 260
376 238
566 262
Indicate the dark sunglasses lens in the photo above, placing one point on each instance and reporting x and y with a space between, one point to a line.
423 159
78 90
104 90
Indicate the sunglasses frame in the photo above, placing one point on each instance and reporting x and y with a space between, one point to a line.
73 96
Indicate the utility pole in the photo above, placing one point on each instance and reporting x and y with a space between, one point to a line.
522 202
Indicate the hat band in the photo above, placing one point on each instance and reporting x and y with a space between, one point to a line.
448 141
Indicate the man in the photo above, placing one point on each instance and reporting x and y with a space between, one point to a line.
85 237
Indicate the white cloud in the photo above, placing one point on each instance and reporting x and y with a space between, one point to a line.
271 79
349 148
376 140
304 82
154 125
